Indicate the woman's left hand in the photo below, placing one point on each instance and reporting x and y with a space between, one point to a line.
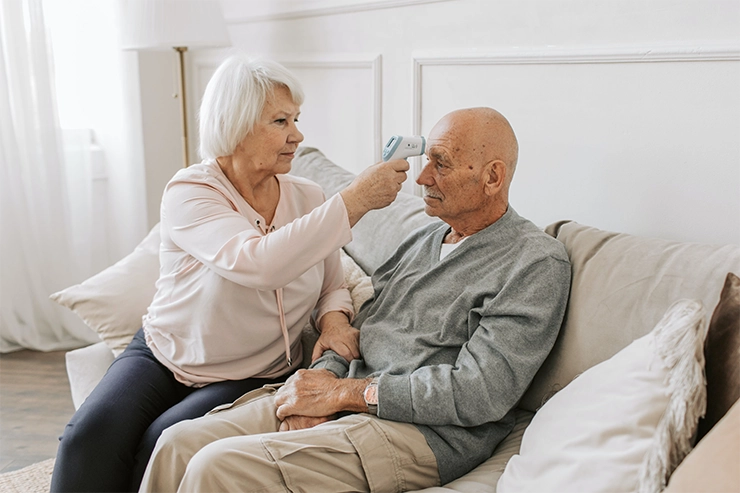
339 336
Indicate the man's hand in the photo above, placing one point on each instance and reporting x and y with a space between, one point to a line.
292 423
319 393
339 336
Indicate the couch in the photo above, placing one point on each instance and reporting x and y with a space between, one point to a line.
650 344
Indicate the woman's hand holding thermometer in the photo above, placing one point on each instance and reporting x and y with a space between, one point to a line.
377 186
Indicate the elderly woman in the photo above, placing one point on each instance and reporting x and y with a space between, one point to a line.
248 254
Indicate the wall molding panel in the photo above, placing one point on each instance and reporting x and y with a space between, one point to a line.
204 66
291 12
374 63
636 54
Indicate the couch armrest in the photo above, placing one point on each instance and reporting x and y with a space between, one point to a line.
85 368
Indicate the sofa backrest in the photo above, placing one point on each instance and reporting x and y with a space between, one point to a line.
621 287
377 235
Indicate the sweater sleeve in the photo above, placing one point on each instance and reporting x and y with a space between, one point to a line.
202 221
333 362
516 331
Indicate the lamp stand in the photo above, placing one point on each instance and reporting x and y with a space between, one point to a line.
183 104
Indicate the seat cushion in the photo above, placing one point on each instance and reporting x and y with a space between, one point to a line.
483 478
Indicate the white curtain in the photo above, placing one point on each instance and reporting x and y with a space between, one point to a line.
36 253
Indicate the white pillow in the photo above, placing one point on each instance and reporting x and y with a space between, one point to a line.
624 424
113 301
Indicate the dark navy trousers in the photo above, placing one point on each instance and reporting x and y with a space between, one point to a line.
108 441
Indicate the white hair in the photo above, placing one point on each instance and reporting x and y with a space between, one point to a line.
234 99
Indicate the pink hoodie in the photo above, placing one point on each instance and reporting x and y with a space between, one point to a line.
234 292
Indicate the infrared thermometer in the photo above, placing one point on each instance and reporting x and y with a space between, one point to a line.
400 147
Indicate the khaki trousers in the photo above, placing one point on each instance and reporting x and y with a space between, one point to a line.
237 448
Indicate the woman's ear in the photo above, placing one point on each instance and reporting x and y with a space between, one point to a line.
495 177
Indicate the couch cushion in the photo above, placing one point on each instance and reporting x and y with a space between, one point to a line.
483 478
624 424
621 286
377 235
85 368
722 352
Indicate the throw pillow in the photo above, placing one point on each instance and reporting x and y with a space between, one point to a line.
712 465
358 283
113 301
722 353
624 424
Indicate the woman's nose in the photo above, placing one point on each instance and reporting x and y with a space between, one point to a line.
296 135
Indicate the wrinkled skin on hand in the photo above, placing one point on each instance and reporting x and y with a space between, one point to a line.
340 337
318 393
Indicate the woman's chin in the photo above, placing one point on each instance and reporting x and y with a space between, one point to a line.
283 166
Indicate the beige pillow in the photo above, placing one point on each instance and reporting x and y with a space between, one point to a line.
113 301
621 286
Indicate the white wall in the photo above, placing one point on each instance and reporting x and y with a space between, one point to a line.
628 112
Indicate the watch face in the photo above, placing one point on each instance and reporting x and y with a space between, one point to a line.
371 394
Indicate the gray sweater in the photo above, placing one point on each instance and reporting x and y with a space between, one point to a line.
456 342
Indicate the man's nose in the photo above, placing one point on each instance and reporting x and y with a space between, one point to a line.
424 177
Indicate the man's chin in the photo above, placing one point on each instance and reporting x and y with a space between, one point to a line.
430 210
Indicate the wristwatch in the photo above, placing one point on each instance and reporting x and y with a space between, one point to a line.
371 396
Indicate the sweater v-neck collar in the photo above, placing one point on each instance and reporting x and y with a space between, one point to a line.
482 235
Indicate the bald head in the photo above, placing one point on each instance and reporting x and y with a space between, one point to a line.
472 157
483 134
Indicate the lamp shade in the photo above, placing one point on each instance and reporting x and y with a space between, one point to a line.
165 24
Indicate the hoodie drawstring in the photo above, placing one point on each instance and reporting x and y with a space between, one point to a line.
281 310
283 325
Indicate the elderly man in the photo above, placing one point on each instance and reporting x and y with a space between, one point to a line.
463 315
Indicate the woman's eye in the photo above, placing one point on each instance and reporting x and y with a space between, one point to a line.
280 120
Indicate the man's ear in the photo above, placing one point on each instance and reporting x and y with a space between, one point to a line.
495 177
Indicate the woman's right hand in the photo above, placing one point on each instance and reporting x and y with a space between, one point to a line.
376 187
